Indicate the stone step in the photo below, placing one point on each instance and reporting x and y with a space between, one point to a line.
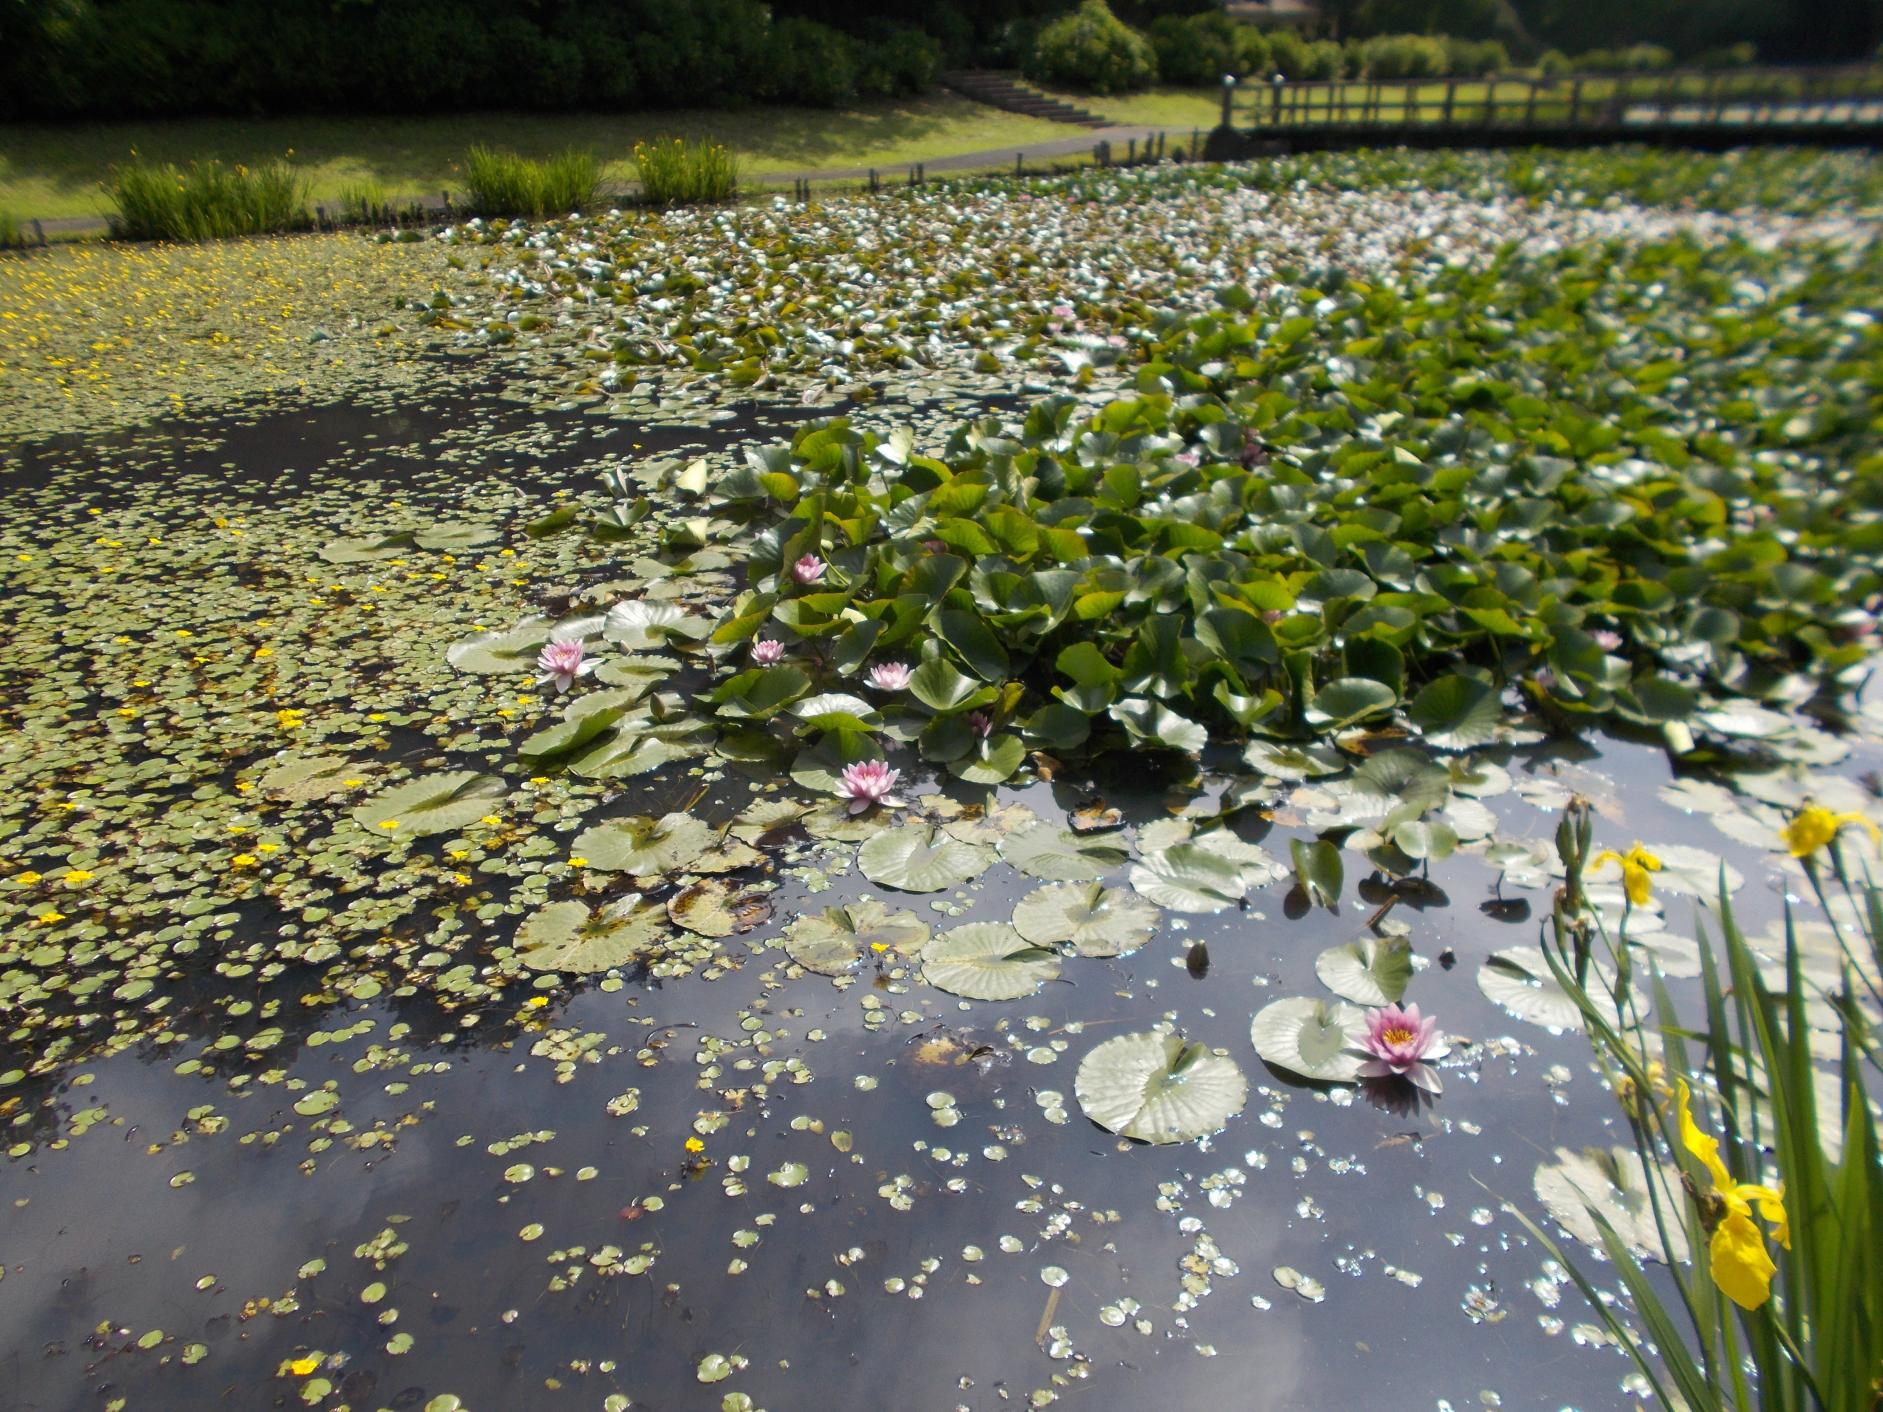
999 90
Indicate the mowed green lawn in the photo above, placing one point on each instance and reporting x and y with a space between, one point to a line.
49 171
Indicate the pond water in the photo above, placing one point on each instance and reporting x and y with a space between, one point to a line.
891 1196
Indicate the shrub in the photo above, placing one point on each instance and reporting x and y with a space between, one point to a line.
1287 53
673 171
810 63
1254 58
894 60
1195 49
1596 61
10 233
1730 56
504 184
1405 56
1322 61
159 201
1475 58
1553 63
1644 58
1092 49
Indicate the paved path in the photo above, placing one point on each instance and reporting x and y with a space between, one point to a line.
1033 154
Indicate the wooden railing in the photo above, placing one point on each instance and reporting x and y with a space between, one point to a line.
1802 98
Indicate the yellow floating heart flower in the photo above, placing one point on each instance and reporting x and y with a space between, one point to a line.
693 1144
1636 864
301 1367
1741 1265
1813 827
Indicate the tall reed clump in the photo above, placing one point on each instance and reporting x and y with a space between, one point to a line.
364 203
206 201
504 184
1765 1165
675 172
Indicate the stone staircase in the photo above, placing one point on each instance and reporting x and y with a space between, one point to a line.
1003 90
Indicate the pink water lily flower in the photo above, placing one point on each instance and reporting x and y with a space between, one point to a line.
982 722
564 663
1606 640
1403 1043
767 650
890 676
809 569
867 784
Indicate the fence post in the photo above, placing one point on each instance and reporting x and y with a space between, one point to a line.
1019 158
873 186
39 231
1196 144
1451 95
1275 90
1529 107
1575 102
1131 151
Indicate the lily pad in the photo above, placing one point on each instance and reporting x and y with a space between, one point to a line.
568 936
1519 979
1614 1183
1370 971
718 908
643 846
441 803
1096 920
494 653
1156 1088
919 858
313 776
1311 1037
839 938
987 961
1054 854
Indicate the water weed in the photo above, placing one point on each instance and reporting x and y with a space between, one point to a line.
674 172
506 184
206 200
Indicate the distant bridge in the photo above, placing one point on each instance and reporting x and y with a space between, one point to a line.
1824 106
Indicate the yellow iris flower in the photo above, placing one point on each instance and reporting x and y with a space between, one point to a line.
1741 1266
1812 827
1636 864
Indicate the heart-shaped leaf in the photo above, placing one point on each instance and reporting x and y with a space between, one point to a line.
1156 1088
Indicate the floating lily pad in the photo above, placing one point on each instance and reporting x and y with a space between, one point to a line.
1314 1038
1055 854
1614 1183
987 961
840 938
643 846
314 776
568 936
1097 920
494 653
1370 971
441 803
1456 712
1157 1088
919 858
1518 978
718 908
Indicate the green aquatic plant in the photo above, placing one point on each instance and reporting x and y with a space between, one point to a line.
676 172
206 200
506 184
1784 1313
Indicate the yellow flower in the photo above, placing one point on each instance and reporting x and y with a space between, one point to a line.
537 1002
27 878
1741 1265
1636 864
695 1145
1813 827
76 876
244 860
491 819
388 824
578 862
49 917
301 1367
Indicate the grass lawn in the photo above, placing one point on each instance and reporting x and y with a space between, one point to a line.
48 171
1155 107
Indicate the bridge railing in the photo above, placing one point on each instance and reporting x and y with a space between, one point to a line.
1794 97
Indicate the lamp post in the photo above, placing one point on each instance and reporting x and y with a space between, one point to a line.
1275 88
1229 87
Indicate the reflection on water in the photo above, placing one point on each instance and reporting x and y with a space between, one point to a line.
510 1213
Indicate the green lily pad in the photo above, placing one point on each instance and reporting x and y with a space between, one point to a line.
838 939
1156 1088
1614 1183
568 936
313 776
494 653
441 803
643 846
919 858
1456 712
1311 1037
1370 971
1055 854
987 961
718 908
1096 920
1519 980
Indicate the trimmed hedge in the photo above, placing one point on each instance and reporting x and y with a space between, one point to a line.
1093 50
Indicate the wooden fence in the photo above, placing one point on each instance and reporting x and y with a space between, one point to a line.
1804 104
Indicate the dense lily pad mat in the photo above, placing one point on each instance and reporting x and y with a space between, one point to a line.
639 1086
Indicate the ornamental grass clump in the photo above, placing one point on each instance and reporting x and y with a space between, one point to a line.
675 172
505 184
1766 1159
206 200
